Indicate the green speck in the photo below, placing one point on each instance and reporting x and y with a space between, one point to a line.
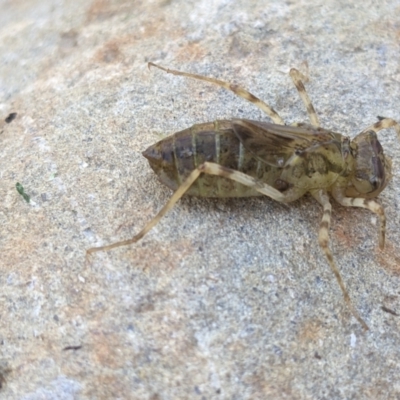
20 190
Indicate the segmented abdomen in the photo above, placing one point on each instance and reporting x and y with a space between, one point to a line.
176 156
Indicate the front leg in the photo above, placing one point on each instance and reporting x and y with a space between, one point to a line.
370 204
384 123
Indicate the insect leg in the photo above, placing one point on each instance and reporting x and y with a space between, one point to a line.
238 90
175 197
323 238
369 204
296 78
212 169
384 123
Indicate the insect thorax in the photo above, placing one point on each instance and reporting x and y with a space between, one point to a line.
315 168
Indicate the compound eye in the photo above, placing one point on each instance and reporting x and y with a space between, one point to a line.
373 181
371 169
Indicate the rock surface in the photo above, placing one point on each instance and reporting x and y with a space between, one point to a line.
228 299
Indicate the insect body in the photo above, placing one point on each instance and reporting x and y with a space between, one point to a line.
291 159
175 157
239 158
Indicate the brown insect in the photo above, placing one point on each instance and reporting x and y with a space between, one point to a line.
240 158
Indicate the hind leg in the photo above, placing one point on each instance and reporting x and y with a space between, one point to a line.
238 90
212 169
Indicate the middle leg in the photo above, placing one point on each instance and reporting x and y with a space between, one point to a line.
323 238
296 78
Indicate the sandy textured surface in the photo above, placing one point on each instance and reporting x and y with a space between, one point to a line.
224 299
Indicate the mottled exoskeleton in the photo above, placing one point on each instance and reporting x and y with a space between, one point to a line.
239 158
